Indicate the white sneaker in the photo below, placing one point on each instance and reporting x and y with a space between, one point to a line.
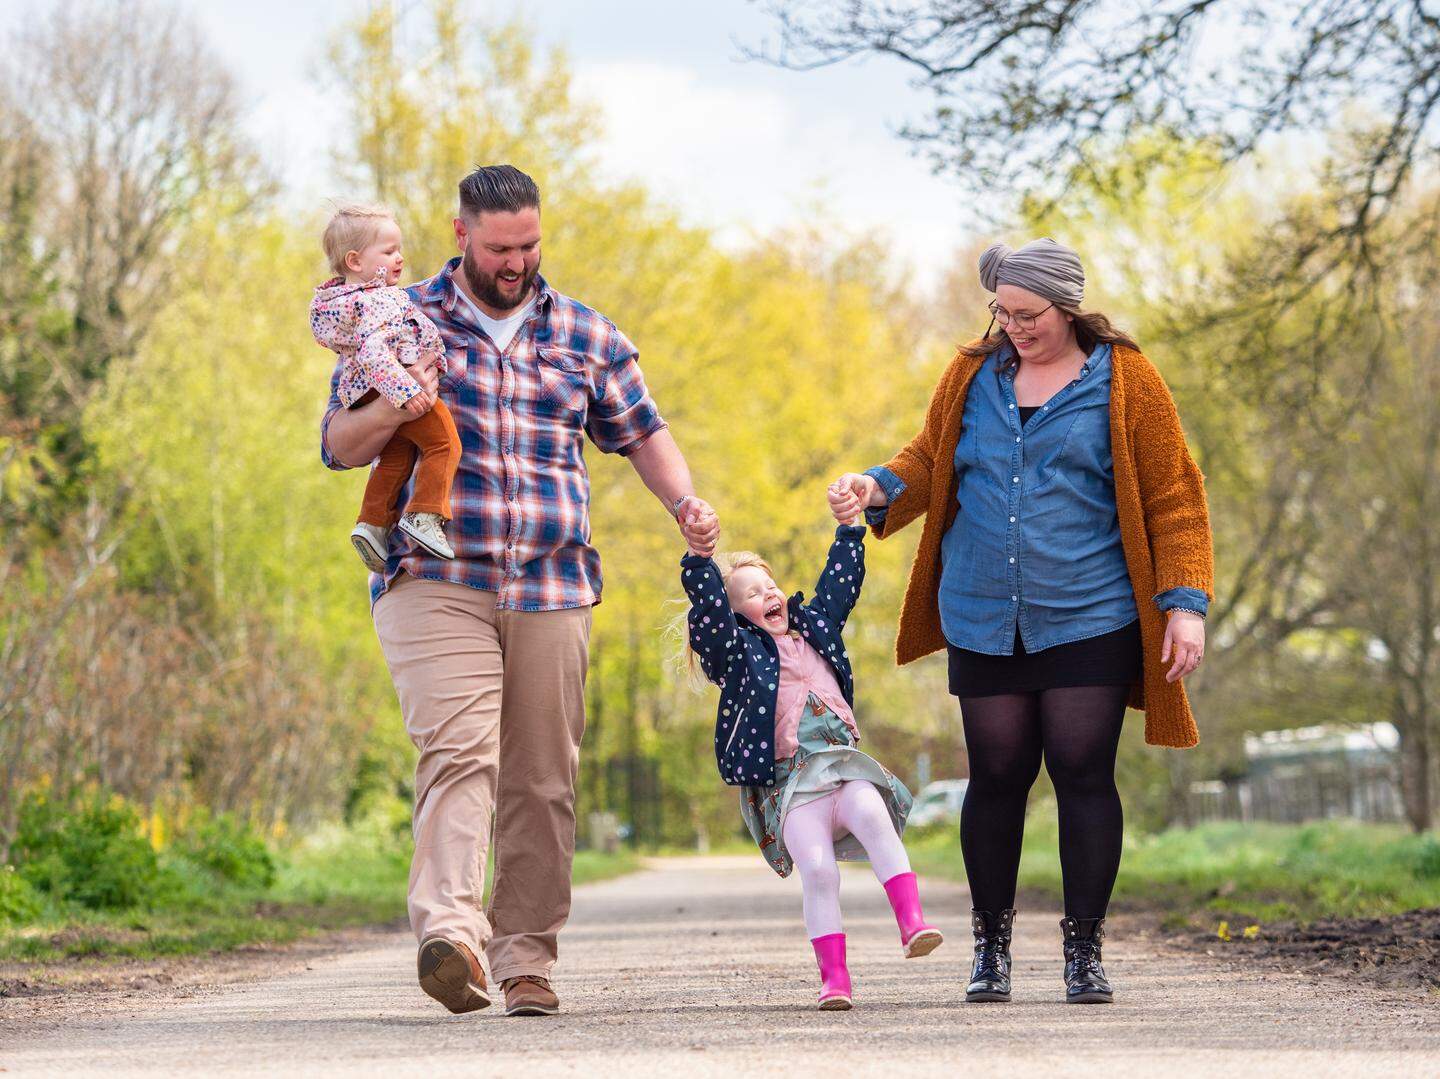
426 530
373 544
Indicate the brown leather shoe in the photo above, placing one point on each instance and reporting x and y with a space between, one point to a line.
530 996
451 974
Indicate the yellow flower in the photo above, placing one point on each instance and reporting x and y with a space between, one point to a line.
1251 932
157 829
1223 931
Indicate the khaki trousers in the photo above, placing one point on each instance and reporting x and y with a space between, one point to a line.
494 700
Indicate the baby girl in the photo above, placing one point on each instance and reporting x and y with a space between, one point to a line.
378 332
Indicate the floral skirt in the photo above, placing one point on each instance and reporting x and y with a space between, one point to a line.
827 757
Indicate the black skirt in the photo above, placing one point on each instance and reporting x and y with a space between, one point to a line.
1111 659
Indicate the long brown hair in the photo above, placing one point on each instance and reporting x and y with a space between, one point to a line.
1091 329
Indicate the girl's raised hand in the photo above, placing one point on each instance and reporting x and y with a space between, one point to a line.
699 525
850 495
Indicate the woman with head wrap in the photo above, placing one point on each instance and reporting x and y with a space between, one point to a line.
1065 566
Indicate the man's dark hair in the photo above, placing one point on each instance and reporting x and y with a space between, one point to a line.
498 189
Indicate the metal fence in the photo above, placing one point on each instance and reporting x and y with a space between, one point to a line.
1311 773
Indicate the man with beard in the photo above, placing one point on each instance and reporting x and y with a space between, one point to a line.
488 652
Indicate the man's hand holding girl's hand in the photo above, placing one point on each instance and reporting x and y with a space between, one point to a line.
699 525
852 494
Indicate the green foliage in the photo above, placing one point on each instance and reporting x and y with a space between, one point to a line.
224 845
1235 869
1425 857
92 855
19 902
219 888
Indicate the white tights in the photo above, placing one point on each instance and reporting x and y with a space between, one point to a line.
810 833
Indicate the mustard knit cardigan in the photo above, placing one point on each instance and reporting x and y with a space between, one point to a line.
1159 494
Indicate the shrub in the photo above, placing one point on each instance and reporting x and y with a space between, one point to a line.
92 853
1427 858
228 848
18 900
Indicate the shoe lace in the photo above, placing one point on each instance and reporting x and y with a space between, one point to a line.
1085 954
987 954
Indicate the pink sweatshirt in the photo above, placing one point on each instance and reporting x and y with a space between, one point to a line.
803 672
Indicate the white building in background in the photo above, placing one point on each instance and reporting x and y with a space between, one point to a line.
1309 773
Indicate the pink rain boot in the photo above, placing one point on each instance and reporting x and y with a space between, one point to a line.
915 936
834 978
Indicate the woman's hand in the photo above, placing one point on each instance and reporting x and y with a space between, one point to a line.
1185 641
851 494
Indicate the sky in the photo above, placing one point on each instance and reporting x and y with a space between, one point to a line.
738 146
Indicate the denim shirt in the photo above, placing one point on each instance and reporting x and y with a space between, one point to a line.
1035 546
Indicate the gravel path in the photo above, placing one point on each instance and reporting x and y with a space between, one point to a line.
699 967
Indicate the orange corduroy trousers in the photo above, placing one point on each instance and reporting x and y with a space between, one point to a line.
436 442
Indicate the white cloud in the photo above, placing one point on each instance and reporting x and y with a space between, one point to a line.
743 159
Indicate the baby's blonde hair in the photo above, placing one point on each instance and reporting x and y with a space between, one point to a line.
727 564
352 227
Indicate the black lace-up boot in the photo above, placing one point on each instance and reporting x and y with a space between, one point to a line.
990 976
1085 981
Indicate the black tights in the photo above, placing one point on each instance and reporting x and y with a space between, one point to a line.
1077 729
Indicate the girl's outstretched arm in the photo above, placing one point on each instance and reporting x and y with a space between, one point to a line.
839 585
713 631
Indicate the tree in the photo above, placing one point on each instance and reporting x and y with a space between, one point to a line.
1033 94
461 92
132 124
1383 552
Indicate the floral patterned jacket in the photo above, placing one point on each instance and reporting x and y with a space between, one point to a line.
377 331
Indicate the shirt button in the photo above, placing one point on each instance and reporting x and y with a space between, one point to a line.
1014 599
1044 408
1017 438
1014 479
1012 561
1012 406
1012 520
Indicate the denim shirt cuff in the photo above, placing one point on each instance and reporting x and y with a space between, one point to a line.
1191 599
892 485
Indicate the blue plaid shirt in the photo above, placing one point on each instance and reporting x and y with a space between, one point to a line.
521 497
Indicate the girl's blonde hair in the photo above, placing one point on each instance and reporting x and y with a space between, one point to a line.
352 227
727 564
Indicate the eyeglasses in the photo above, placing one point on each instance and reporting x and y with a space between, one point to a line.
1025 321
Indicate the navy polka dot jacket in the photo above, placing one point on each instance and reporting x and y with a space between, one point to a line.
743 660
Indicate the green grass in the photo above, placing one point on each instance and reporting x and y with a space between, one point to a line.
333 880
1258 872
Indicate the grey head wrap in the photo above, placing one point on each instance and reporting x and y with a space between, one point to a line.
1042 266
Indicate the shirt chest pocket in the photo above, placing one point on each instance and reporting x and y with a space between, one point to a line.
1079 451
983 453
563 387
457 362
